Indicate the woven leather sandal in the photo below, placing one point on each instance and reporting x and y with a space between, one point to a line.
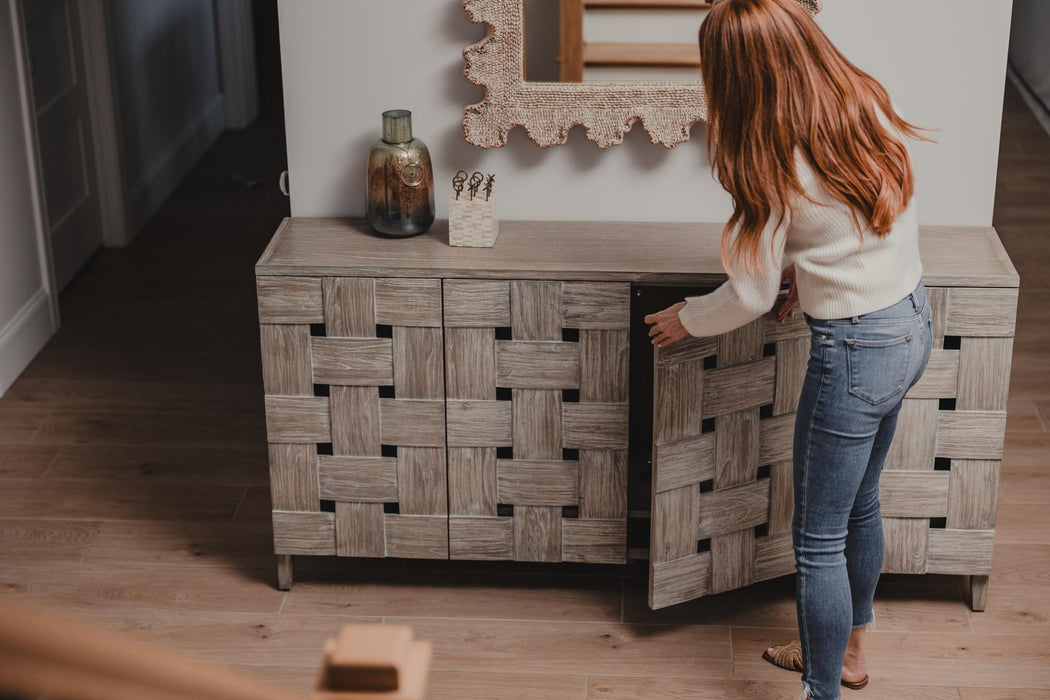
789 656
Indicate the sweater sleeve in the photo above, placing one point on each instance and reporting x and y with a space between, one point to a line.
743 297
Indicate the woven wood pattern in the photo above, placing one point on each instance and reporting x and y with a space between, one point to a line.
548 110
536 379
722 495
355 417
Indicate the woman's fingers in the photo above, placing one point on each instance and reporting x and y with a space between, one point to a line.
654 320
655 317
662 337
666 327
668 336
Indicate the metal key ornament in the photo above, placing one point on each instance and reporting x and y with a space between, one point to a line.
475 182
457 182
488 186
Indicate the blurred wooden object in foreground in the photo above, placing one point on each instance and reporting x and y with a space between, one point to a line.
43 655
370 661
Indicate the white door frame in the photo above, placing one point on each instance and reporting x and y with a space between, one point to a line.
36 186
101 92
235 32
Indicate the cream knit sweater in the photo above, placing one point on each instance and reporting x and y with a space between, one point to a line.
836 277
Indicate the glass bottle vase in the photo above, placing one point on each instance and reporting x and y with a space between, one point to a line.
400 180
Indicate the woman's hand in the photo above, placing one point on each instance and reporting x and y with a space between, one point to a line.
788 307
666 327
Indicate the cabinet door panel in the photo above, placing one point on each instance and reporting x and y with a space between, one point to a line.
718 497
536 374
355 415
722 500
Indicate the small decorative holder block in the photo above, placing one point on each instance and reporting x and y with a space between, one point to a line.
472 222
371 661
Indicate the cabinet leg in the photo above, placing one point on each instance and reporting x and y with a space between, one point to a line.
284 572
978 592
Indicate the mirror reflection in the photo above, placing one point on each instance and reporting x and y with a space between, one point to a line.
602 40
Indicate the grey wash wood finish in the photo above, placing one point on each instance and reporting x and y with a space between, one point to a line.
605 251
420 471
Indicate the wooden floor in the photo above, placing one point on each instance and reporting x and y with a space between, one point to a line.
134 492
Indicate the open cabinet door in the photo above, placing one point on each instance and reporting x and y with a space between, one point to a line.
723 424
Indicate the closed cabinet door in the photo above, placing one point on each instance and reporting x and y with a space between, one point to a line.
355 415
723 423
63 127
536 379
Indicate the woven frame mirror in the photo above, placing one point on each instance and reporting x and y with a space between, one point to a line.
548 110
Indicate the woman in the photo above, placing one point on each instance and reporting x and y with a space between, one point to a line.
814 156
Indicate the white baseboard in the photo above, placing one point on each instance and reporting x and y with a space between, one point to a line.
1039 109
164 174
23 337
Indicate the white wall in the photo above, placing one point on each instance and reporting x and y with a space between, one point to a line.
170 108
1030 53
344 62
25 313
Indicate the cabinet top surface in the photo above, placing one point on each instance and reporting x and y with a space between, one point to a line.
645 252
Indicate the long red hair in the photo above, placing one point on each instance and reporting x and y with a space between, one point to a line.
774 82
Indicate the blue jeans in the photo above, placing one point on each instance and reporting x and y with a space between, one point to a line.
859 370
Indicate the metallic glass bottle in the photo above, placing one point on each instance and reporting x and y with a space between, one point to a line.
400 180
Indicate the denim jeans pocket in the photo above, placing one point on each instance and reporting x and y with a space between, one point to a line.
878 368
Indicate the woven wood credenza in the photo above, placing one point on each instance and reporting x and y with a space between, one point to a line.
428 401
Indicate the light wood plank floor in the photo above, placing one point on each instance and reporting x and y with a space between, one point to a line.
134 492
